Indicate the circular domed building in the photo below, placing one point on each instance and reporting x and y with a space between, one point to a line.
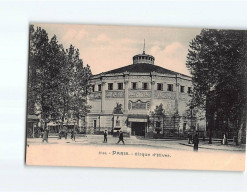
140 99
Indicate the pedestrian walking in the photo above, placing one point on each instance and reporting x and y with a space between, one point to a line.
105 137
45 136
196 142
120 137
189 138
73 135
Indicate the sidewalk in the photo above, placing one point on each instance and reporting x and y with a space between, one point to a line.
217 146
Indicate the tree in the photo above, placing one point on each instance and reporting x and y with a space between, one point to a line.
57 81
217 62
44 66
72 90
80 83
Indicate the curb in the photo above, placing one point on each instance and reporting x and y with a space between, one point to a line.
212 148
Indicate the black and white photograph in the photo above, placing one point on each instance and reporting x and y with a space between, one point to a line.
123 96
136 97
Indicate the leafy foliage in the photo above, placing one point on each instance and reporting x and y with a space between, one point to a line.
57 81
217 62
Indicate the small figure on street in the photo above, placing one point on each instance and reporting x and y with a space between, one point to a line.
105 137
196 142
62 134
224 141
41 132
73 135
45 136
189 138
120 137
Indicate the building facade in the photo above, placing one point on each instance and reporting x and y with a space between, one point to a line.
136 91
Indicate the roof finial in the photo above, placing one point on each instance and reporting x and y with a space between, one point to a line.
144 47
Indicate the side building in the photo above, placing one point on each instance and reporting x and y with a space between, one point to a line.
142 99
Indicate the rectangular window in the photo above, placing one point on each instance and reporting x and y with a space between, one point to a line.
99 87
93 88
94 124
110 86
189 90
182 89
134 85
170 87
159 86
120 86
144 86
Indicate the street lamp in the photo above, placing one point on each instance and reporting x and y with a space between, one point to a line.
112 123
191 109
74 123
99 123
163 115
174 117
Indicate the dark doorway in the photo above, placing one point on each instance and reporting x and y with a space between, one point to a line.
138 128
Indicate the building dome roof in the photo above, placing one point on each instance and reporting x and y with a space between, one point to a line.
142 68
142 63
143 58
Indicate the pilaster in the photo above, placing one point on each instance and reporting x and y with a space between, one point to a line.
126 96
152 94
103 96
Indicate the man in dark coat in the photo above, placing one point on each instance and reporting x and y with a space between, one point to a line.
105 137
45 136
73 135
196 142
120 137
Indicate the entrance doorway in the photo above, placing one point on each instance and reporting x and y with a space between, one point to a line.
138 128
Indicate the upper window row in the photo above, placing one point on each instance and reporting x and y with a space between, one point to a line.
144 57
170 88
145 86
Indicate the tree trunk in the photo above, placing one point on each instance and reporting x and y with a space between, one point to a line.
210 136
45 125
240 133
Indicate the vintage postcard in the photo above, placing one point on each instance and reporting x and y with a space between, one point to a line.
136 97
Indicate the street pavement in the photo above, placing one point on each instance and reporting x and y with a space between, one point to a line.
172 144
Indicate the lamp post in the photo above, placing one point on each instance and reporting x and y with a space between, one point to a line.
74 123
163 115
191 113
99 123
174 122
112 123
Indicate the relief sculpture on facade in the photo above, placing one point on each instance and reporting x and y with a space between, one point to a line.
139 105
114 94
183 97
139 94
164 95
139 77
95 95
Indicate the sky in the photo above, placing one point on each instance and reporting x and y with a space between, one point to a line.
109 47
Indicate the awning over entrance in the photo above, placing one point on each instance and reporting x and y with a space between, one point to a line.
137 118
